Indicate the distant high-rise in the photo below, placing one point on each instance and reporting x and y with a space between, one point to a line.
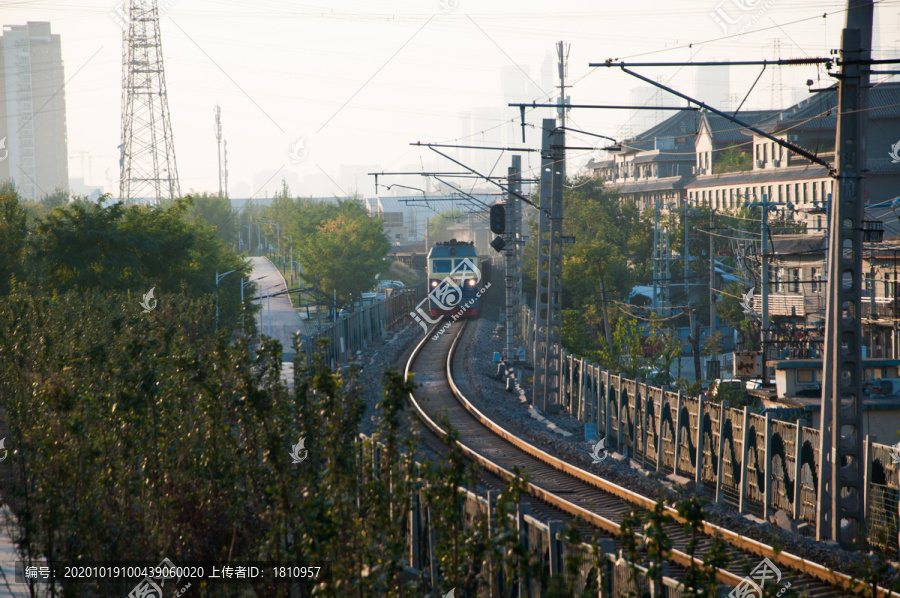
33 147
712 86
649 97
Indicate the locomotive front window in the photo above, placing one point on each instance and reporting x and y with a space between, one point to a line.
442 266
464 265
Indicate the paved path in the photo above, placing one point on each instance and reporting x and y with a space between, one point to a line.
277 318
8 558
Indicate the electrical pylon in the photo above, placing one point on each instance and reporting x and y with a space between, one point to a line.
147 167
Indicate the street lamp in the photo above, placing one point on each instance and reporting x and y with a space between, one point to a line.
244 284
278 233
218 278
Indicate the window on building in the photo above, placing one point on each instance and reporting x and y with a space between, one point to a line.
779 279
888 286
795 280
805 376
867 284
814 193
814 277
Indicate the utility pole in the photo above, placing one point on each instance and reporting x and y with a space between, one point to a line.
687 255
549 272
666 274
712 294
766 205
841 435
562 52
605 305
225 167
512 299
655 303
515 214
219 144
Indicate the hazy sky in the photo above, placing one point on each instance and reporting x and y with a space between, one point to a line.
358 81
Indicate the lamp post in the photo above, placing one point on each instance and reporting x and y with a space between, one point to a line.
218 278
244 284
277 232
268 308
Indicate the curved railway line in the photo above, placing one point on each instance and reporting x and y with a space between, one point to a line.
577 492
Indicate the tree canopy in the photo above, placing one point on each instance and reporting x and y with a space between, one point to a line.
83 246
12 236
340 247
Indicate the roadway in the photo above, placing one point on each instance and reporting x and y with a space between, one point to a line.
278 318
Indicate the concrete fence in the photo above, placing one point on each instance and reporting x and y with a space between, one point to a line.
544 542
756 463
355 331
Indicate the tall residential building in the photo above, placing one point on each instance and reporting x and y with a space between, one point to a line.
33 145
712 86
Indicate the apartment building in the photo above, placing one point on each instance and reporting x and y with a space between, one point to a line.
34 149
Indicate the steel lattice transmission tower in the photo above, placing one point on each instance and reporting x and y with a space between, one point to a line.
147 162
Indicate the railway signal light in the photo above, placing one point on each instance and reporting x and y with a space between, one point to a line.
498 243
498 220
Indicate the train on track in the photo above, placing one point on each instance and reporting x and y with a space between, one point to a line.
453 279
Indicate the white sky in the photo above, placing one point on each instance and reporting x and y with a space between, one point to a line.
281 70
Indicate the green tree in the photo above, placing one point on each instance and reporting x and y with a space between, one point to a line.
641 352
344 255
88 246
216 212
438 231
700 580
732 159
12 235
59 197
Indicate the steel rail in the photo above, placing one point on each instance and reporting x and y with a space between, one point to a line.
533 489
742 543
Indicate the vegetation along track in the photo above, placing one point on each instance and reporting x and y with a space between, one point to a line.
576 491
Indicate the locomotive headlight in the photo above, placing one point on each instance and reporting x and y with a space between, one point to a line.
434 283
471 282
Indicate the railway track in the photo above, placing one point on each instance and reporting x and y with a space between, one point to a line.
575 491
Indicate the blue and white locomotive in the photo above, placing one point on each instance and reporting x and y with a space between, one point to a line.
453 277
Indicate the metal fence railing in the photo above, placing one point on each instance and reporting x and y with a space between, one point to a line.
544 542
756 463
355 331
